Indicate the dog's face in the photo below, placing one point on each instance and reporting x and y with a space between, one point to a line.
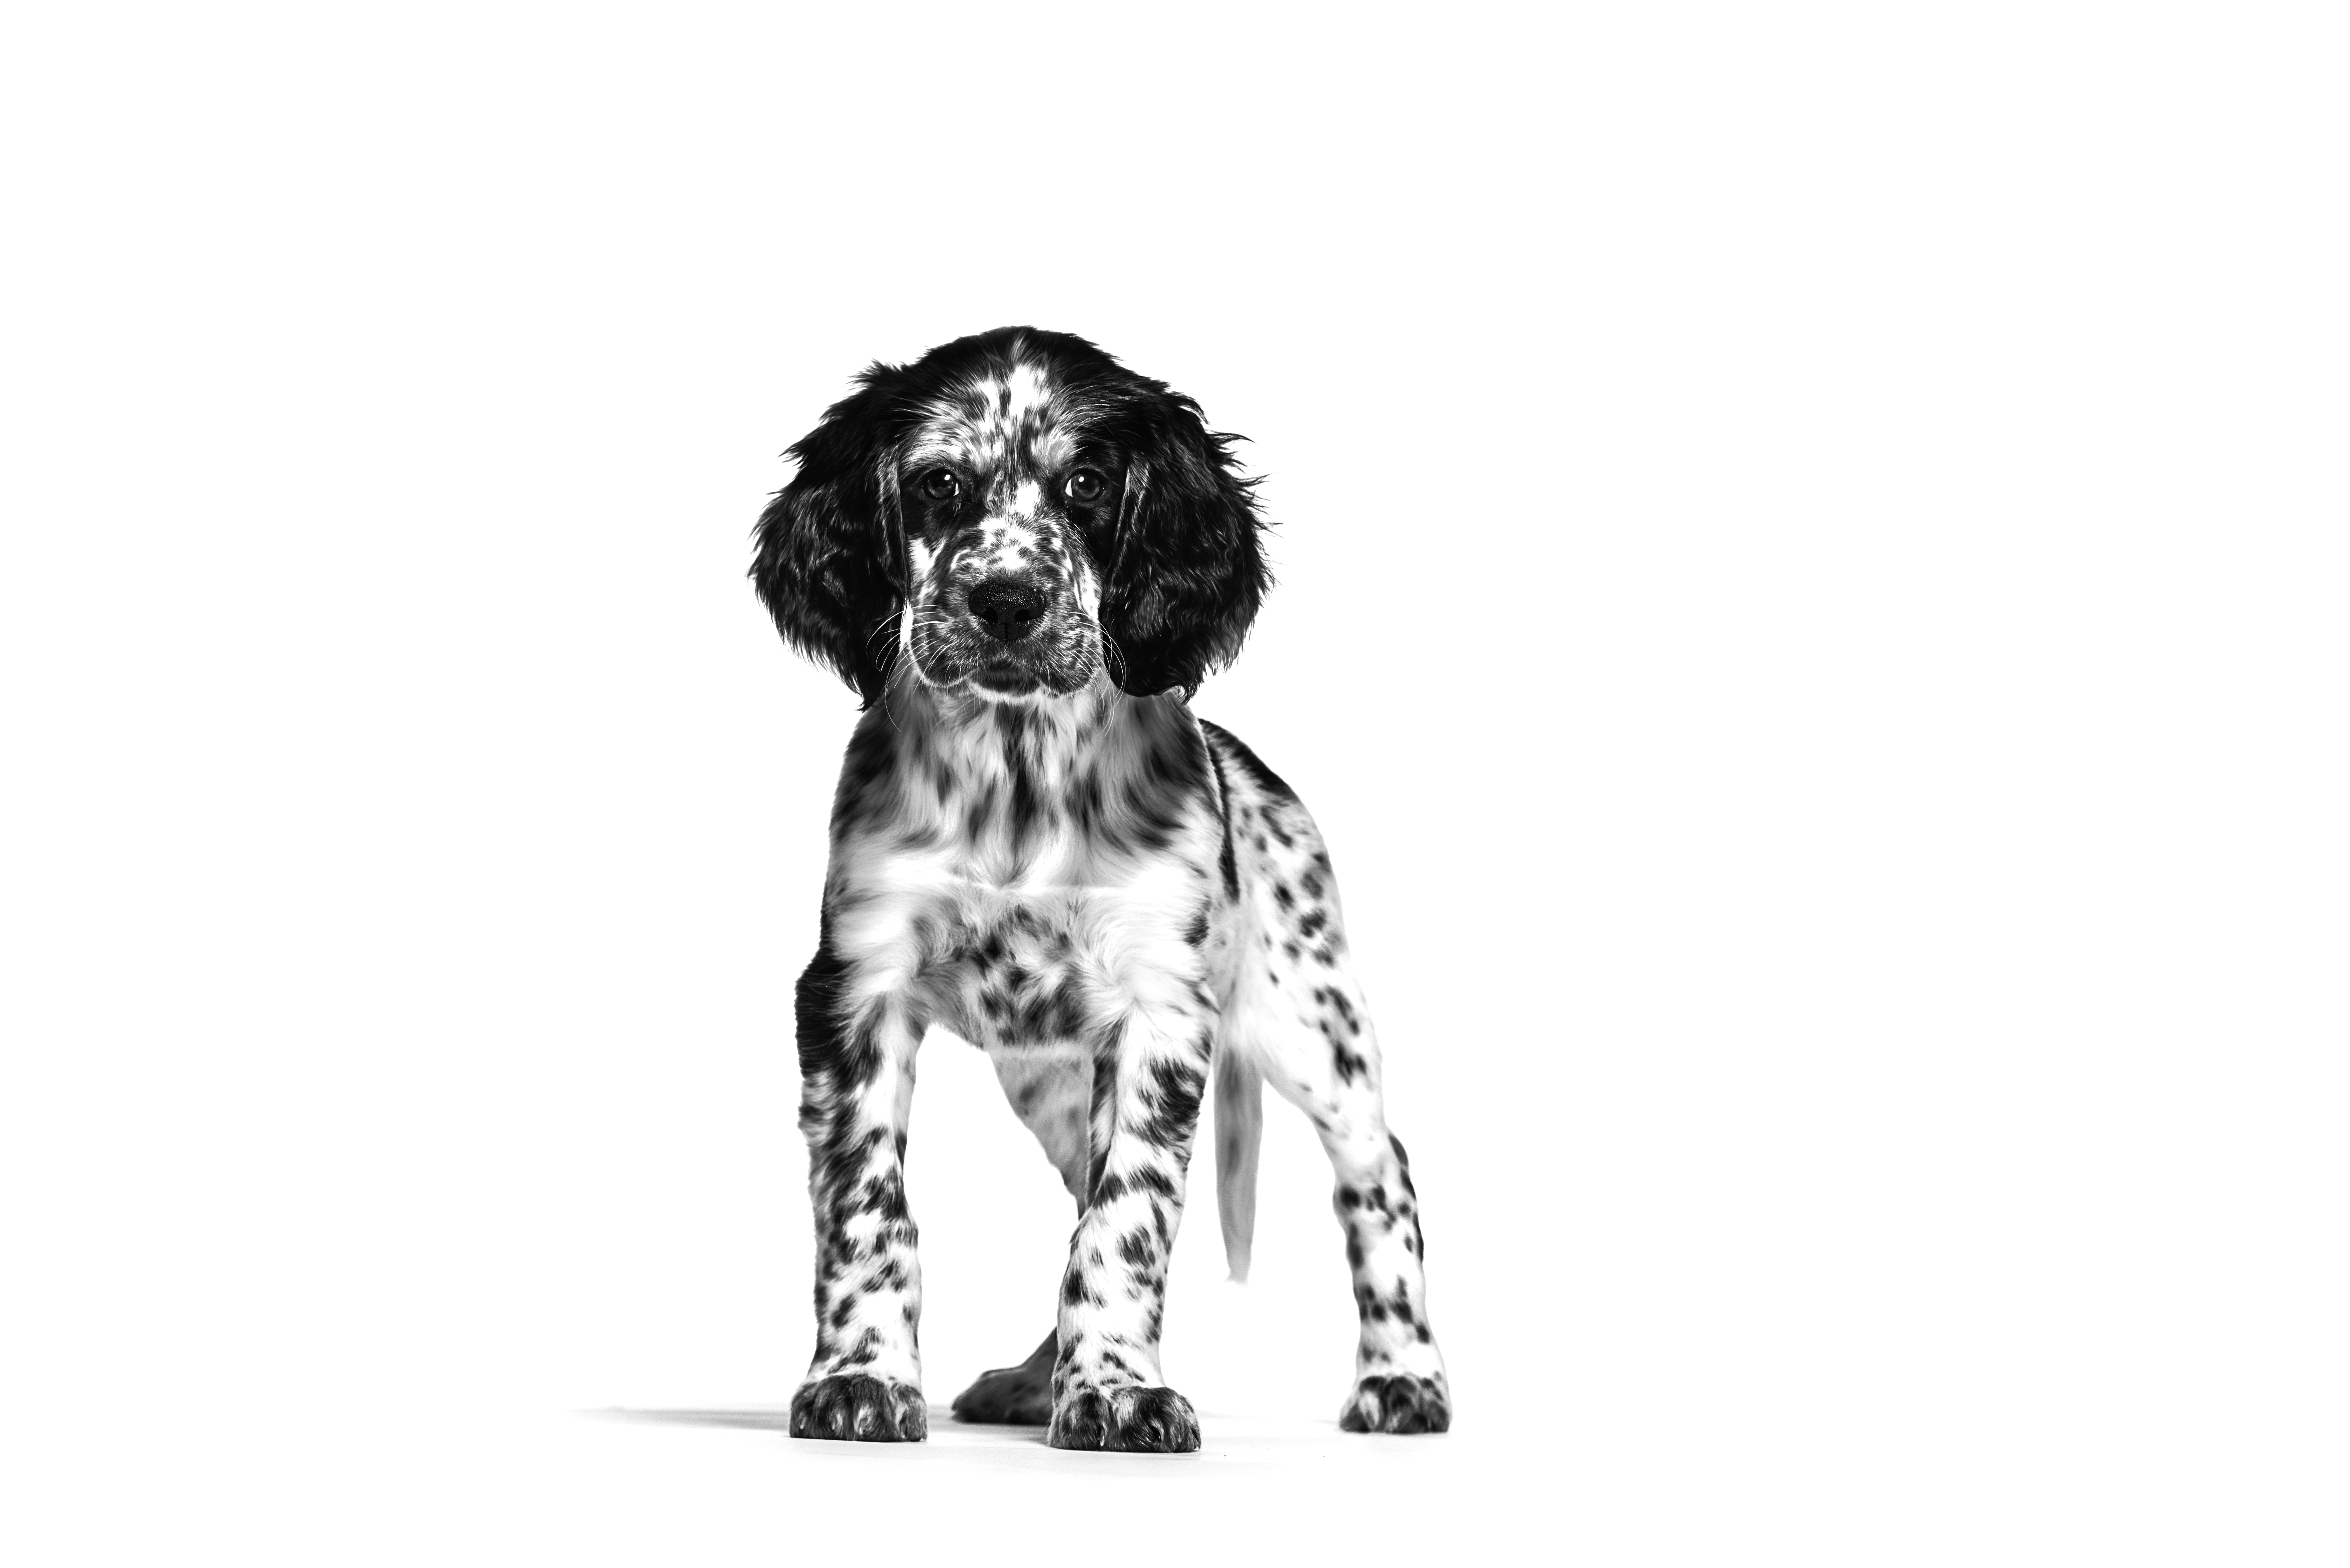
1000 489
1007 515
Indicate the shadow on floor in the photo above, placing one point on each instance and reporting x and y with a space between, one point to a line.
988 1444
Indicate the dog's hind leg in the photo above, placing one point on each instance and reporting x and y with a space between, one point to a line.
1299 1017
1051 1091
1323 1057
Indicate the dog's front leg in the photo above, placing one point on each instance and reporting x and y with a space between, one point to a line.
857 1069
1148 1070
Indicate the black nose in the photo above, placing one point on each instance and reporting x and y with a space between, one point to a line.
1006 607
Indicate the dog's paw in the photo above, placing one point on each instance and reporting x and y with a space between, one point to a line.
1011 1395
1129 1421
1397 1404
854 1407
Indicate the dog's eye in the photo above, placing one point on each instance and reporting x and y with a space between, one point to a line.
938 485
1084 486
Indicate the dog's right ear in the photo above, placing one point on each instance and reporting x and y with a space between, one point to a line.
827 567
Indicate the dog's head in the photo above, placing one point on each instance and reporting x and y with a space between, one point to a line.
1007 515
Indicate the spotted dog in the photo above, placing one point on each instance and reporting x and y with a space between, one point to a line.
1025 557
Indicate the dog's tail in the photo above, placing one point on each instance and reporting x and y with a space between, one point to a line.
1239 1128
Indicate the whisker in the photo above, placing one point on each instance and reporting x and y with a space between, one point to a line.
1113 657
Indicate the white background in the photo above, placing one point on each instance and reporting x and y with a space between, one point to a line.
1810 613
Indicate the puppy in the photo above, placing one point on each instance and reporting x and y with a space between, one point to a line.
1025 557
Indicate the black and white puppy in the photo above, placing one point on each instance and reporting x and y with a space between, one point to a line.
1025 557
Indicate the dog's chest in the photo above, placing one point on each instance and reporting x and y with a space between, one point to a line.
1013 967
1036 881
1027 975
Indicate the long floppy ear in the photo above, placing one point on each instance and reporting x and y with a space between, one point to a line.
827 567
1187 574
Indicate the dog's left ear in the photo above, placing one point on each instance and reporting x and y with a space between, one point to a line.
1187 571
827 567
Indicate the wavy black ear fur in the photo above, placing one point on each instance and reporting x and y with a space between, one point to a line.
1188 571
827 565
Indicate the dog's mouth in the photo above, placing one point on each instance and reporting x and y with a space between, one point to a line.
1004 677
1052 660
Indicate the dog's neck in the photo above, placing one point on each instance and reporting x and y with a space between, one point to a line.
1010 771
960 715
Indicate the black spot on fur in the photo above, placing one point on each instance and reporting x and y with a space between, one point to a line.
1086 803
1100 1186
1025 806
817 1010
978 811
1077 1290
1154 799
1135 1249
866 791
1156 1182
1266 779
1174 1098
884 1195
1225 860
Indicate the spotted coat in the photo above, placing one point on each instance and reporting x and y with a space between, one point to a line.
1025 557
